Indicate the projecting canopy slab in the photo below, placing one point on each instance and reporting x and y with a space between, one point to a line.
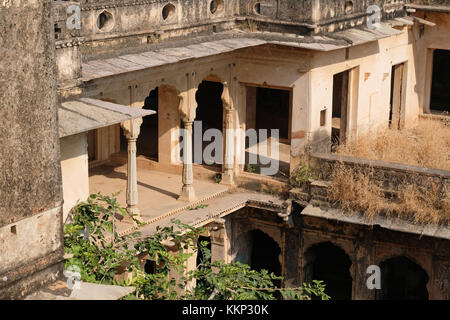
86 114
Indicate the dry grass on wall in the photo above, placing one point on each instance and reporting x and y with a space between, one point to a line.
353 190
426 145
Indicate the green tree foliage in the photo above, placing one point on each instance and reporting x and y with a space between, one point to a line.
101 254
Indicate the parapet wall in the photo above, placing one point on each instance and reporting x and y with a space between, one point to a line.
112 24
389 175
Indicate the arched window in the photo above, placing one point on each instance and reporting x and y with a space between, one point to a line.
168 11
216 6
105 21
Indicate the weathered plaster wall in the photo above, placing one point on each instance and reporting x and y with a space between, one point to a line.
274 67
327 15
28 136
75 171
307 74
371 246
138 23
425 39
30 175
68 63
370 105
169 124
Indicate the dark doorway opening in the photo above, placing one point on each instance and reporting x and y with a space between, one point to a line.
147 142
265 254
269 109
340 108
92 145
402 279
395 111
329 263
203 242
150 267
440 85
203 257
273 110
210 114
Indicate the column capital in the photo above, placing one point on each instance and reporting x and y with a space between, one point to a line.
188 123
187 105
132 128
226 98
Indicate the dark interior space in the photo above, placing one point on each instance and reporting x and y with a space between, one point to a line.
273 110
150 267
440 85
202 256
265 254
402 279
331 264
92 145
396 97
269 109
147 143
391 111
339 115
209 110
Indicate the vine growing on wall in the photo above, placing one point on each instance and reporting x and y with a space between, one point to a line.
97 250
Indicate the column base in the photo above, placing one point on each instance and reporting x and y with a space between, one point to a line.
187 193
134 210
228 178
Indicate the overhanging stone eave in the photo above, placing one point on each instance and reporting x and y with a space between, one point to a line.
431 8
395 224
165 55
85 114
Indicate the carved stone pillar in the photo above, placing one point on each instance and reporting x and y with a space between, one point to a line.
228 173
131 131
218 240
187 191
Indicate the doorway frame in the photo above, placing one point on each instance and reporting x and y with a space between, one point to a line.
351 116
399 108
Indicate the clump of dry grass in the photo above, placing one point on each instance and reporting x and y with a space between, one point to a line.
353 190
425 145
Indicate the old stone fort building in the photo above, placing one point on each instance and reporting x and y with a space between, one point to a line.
93 94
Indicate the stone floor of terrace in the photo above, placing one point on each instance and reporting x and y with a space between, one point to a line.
158 197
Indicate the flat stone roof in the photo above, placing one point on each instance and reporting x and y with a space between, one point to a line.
86 114
173 52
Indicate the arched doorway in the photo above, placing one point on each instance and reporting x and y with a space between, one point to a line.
209 115
402 279
147 143
265 253
329 263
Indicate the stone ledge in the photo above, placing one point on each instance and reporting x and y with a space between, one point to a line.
395 224
87 291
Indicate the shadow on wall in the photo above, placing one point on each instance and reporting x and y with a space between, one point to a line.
402 279
329 263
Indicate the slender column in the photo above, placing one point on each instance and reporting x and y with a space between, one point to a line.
228 173
132 191
187 192
131 131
